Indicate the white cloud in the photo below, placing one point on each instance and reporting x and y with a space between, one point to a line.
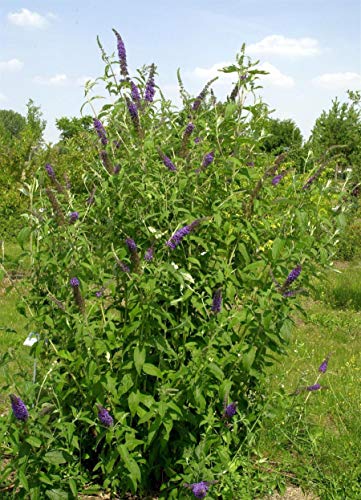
26 17
209 73
345 80
11 65
275 76
56 80
281 46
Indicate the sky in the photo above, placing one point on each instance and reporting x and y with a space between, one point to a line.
311 49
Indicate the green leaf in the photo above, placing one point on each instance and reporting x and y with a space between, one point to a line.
57 494
55 457
33 441
216 371
22 478
73 487
150 369
139 358
133 402
248 358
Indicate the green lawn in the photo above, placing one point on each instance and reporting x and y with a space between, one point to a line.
313 439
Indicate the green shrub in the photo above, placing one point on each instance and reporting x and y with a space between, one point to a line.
161 295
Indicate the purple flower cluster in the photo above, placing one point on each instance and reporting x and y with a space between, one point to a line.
294 274
314 387
50 171
100 130
121 54
131 245
19 409
133 110
324 365
73 217
277 179
208 159
200 489
116 169
100 292
104 416
230 410
168 163
149 254
74 282
197 140
150 86
217 301
189 129
178 236
135 93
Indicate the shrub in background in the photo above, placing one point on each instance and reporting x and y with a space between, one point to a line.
161 293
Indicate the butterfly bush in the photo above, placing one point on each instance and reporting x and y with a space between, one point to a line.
172 249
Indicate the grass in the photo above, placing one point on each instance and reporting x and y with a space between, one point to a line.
14 357
313 439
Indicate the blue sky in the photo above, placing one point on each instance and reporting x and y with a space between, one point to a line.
312 49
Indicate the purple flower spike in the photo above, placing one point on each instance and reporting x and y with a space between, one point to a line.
121 54
148 256
197 140
208 159
177 237
294 274
50 171
149 89
73 217
131 245
74 282
135 93
217 301
230 410
250 164
100 130
116 169
105 418
324 365
314 387
19 409
169 164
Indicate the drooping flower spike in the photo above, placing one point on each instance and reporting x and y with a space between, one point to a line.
178 236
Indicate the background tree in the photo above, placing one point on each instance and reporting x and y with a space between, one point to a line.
21 139
11 123
281 135
341 124
69 127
